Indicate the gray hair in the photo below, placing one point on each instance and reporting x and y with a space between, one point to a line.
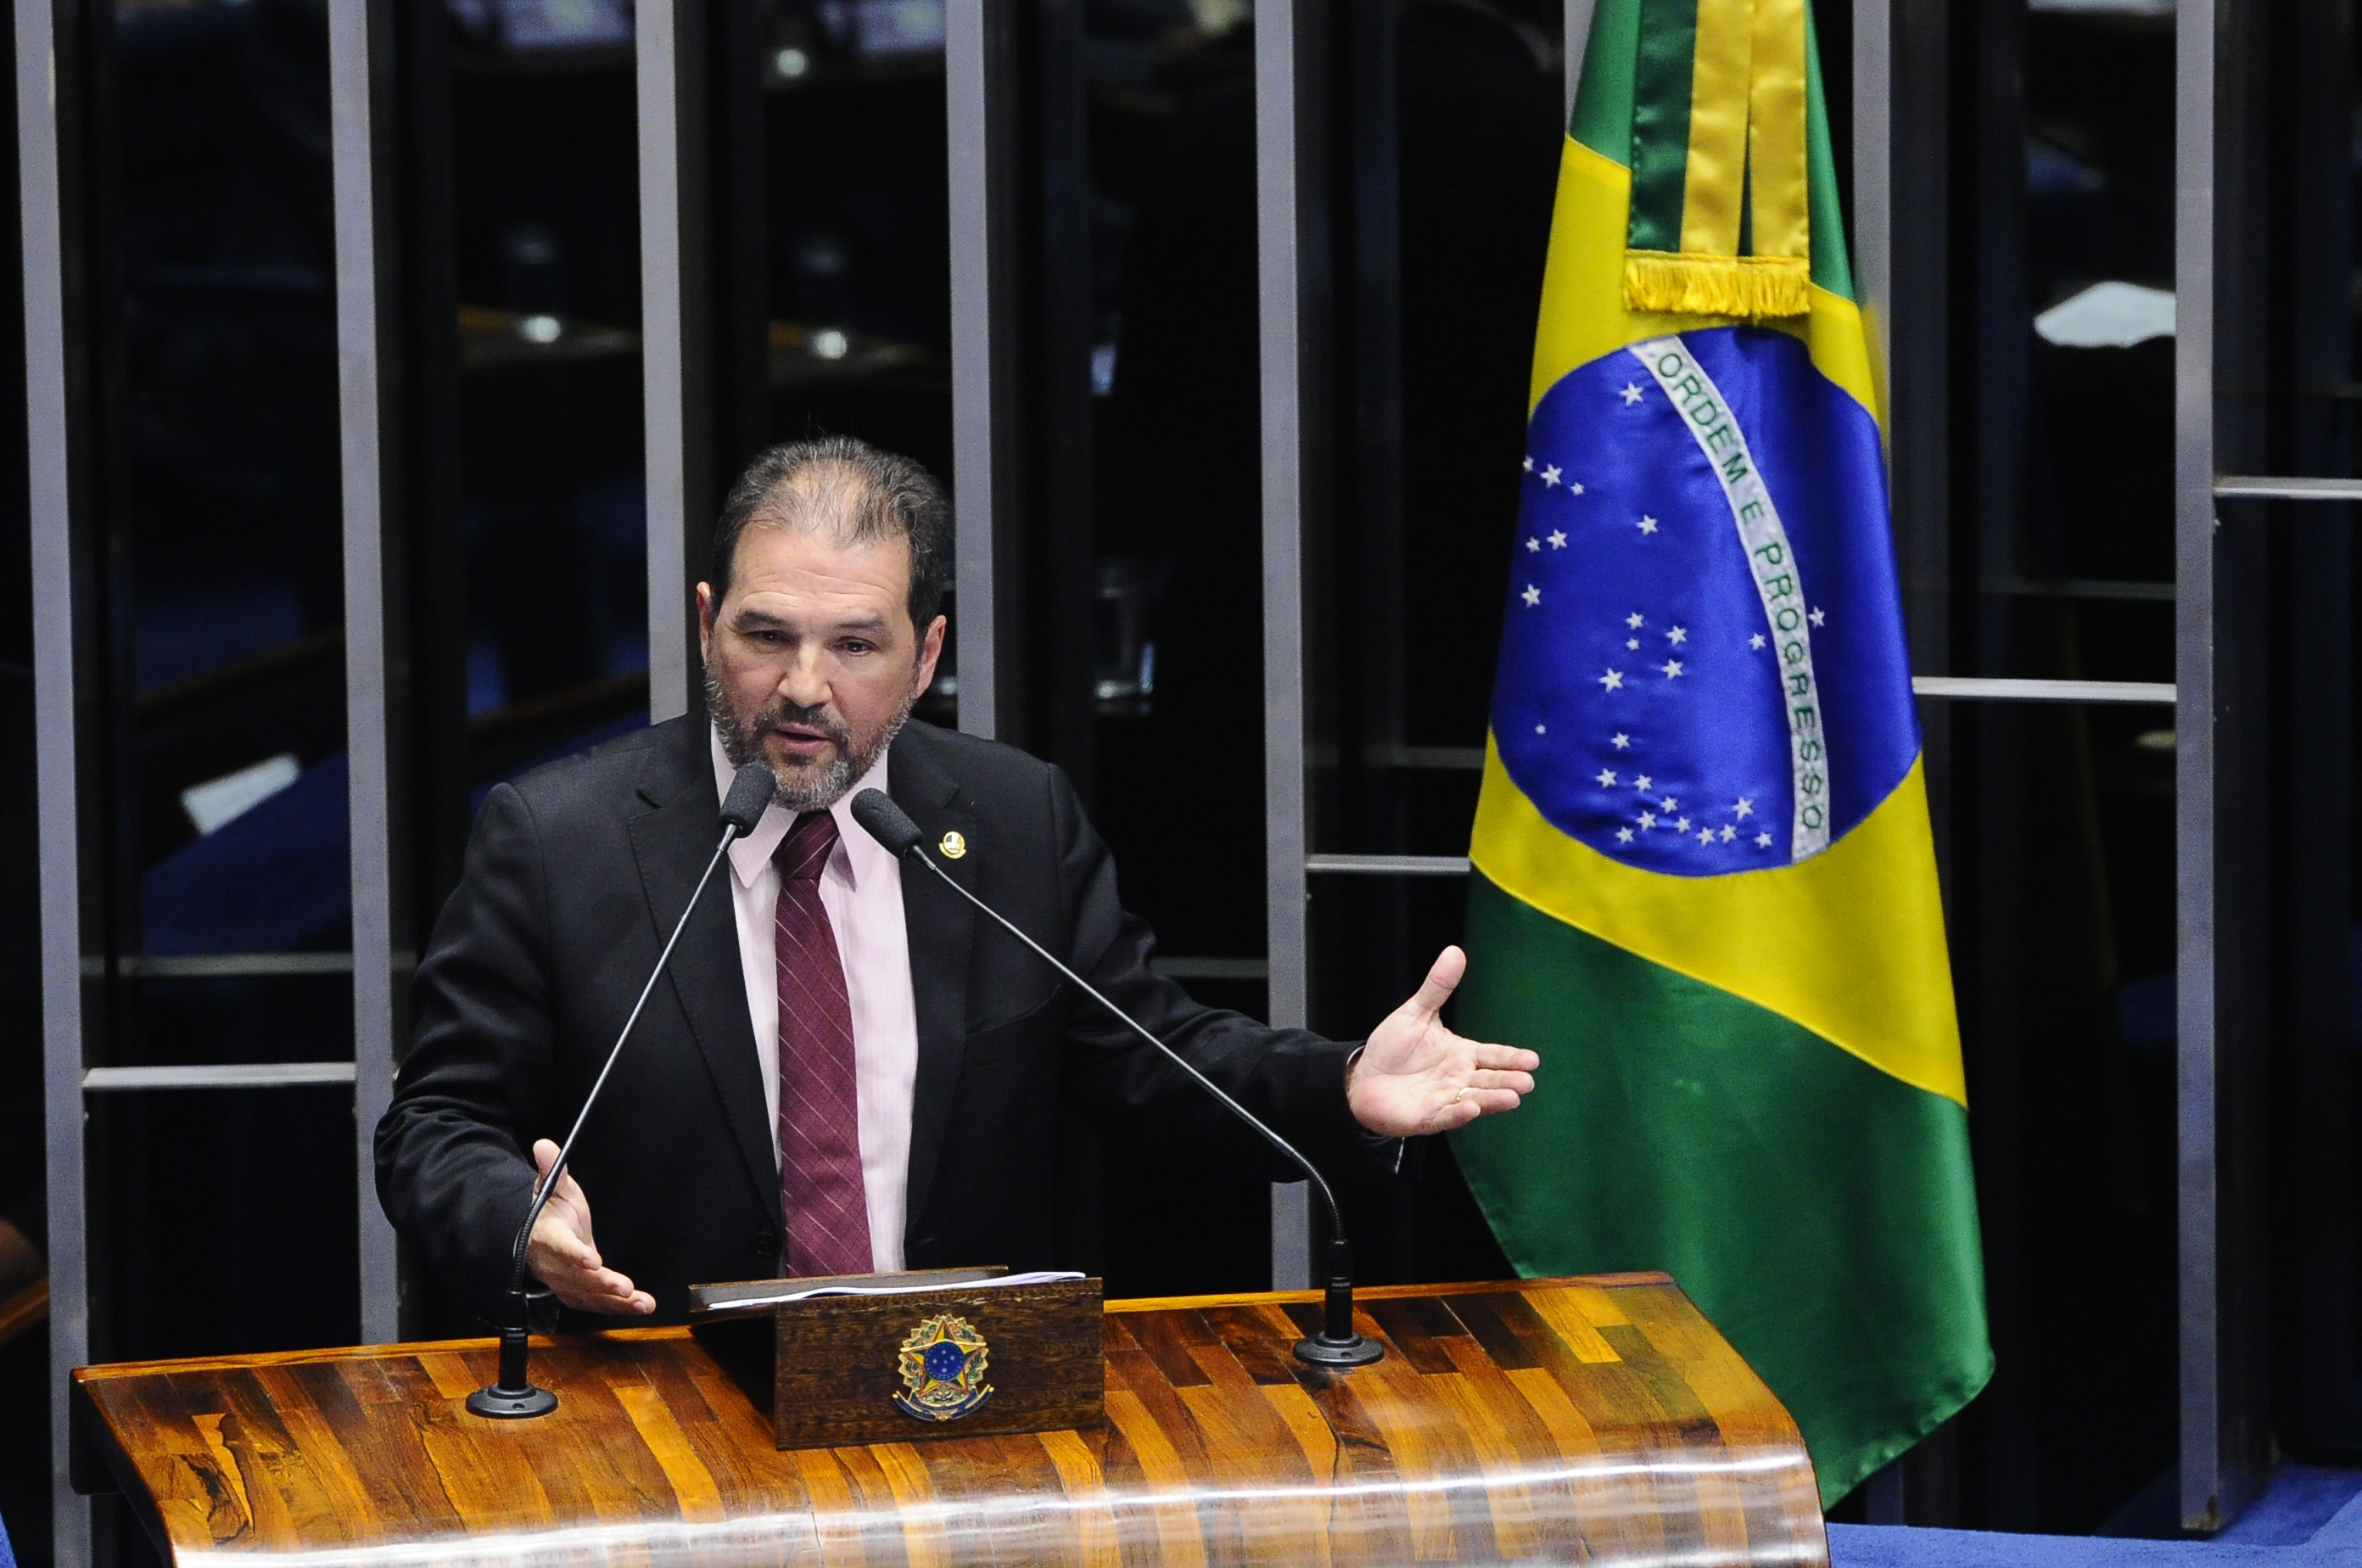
856 492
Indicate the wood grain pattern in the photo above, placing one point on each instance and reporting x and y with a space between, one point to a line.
832 1361
1598 1421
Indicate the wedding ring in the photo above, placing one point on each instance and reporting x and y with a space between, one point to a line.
1460 1095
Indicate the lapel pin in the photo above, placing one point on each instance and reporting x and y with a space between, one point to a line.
952 847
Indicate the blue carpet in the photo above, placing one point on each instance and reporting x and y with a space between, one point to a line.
2303 1501
2308 1517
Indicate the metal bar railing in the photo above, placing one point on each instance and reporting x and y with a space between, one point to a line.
665 350
221 965
2210 1476
1386 864
1281 176
971 105
2275 487
226 1075
358 48
49 503
1984 689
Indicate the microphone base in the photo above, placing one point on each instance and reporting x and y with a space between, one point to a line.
1356 1350
511 1404
511 1396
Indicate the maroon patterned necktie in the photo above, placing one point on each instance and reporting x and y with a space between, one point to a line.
821 1192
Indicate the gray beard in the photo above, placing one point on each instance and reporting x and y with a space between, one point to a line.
803 786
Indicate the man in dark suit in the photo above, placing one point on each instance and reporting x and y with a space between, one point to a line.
843 1067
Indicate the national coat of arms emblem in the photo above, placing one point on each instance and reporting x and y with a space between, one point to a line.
942 1367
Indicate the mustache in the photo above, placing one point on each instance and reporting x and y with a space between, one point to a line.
820 719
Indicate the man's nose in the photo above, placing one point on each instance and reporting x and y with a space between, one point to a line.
805 680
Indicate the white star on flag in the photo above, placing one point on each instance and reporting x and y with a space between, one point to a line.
1621 741
1762 841
1533 596
1728 833
1756 641
1746 806
1612 680
1670 804
1644 783
1572 488
1532 544
1672 667
1541 729
1605 778
1706 836
1678 635
1529 464
1648 524
1632 394
1681 824
1647 819
1623 835
1550 476
1633 620
1558 535
1632 644
1819 617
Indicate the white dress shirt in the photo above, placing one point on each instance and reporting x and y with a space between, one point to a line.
861 888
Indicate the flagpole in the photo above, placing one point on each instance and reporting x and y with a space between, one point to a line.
1578 39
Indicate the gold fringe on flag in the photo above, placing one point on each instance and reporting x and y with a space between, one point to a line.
1751 287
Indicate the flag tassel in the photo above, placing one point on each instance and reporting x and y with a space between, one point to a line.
1751 288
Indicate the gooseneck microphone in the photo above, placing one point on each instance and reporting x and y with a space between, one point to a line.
514 1394
1337 1343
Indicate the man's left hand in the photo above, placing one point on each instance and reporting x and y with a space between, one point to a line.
1417 1077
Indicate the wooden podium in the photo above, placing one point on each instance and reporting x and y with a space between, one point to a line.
1596 1420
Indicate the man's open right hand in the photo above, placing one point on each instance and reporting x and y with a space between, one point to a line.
562 1256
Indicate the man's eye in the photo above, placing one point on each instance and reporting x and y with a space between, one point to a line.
854 646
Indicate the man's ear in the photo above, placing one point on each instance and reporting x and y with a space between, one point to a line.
705 621
931 648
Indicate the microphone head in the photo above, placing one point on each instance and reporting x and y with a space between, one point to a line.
886 821
750 796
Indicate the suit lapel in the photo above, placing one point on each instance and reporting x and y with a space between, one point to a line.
941 926
672 844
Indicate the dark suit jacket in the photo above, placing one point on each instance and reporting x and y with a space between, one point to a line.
574 875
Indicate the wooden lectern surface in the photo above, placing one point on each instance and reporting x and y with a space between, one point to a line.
1598 1420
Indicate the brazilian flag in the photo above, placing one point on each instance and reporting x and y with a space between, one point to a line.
1704 885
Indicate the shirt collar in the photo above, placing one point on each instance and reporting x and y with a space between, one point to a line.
750 855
